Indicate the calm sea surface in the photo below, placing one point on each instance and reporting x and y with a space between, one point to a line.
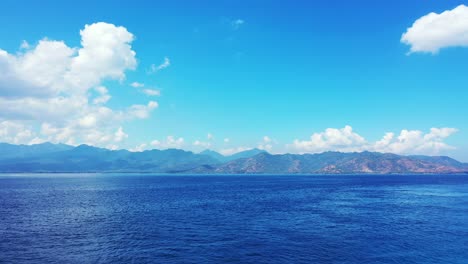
233 219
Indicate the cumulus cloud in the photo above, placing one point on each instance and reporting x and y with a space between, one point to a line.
17 133
120 135
59 88
226 140
202 144
432 32
346 140
155 68
343 139
169 142
106 53
39 72
415 142
266 144
103 95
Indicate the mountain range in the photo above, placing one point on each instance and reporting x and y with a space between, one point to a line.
48 157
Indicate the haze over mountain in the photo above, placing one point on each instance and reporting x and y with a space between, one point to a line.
49 157
238 155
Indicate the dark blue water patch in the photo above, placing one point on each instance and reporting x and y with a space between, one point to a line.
233 219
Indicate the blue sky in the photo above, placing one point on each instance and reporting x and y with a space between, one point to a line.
295 76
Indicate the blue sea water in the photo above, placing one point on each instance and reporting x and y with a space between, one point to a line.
233 219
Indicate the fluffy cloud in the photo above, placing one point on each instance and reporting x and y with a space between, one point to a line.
52 68
120 135
433 31
139 148
415 142
343 139
202 144
59 88
266 144
103 95
170 142
346 140
106 53
39 72
17 133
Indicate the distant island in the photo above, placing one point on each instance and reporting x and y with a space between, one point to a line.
60 158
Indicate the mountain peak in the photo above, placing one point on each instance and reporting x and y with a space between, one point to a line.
84 158
209 151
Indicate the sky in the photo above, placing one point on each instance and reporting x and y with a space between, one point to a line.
283 76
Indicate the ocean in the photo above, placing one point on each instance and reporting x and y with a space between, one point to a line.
135 218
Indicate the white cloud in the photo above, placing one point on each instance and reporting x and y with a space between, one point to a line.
137 85
88 121
151 92
202 144
166 63
139 148
266 147
49 86
101 90
226 140
199 144
231 151
16 133
120 135
39 72
106 53
432 32
416 142
103 95
142 111
112 147
24 45
266 144
102 99
170 142
345 140
236 24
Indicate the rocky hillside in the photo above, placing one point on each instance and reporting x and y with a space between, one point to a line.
49 157
341 163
